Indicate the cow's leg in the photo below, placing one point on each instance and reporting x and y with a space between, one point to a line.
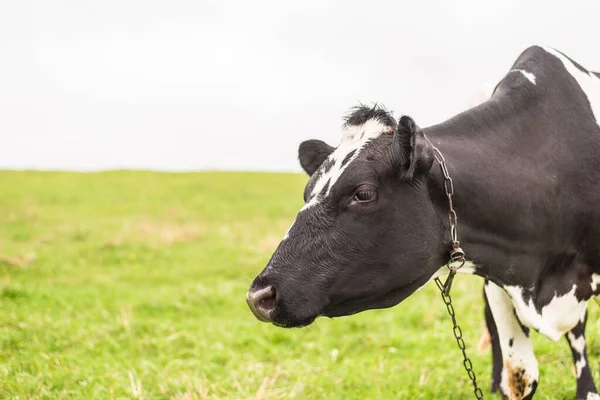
496 351
519 377
586 389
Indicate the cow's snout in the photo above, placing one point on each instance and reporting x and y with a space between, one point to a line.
283 301
262 303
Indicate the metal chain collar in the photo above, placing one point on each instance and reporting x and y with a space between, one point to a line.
457 257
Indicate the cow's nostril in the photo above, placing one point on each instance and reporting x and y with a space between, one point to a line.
262 303
267 304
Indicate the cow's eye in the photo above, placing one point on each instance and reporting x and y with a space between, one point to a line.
364 194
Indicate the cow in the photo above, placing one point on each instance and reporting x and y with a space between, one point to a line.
525 167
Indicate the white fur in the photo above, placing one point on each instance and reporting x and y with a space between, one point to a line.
520 354
530 77
553 320
354 138
589 83
595 282
578 344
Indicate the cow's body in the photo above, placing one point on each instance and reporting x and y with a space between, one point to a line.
526 172
575 338
552 184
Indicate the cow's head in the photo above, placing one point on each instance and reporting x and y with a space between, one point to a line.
368 235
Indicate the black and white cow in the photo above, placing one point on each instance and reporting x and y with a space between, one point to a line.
526 171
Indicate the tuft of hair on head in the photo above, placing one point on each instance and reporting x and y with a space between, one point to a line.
360 114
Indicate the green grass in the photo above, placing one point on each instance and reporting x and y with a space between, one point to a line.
132 284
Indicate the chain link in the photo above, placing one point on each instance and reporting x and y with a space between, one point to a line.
457 255
449 189
459 340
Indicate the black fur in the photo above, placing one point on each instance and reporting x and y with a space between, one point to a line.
585 382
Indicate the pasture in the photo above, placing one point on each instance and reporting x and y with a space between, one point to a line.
131 285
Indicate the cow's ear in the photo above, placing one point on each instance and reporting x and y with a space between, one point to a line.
312 153
412 152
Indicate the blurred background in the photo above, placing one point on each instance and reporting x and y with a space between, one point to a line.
138 199
191 85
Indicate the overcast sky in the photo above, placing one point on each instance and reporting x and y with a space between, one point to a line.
202 84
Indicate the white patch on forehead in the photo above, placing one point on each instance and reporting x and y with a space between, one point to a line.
530 77
554 319
589 83
354 139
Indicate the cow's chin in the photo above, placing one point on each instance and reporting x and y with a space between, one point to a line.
375 301
292 321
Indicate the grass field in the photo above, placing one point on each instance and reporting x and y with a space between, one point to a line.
131 285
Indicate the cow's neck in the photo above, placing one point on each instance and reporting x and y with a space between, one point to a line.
490 196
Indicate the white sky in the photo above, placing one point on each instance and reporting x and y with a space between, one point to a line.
203 84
